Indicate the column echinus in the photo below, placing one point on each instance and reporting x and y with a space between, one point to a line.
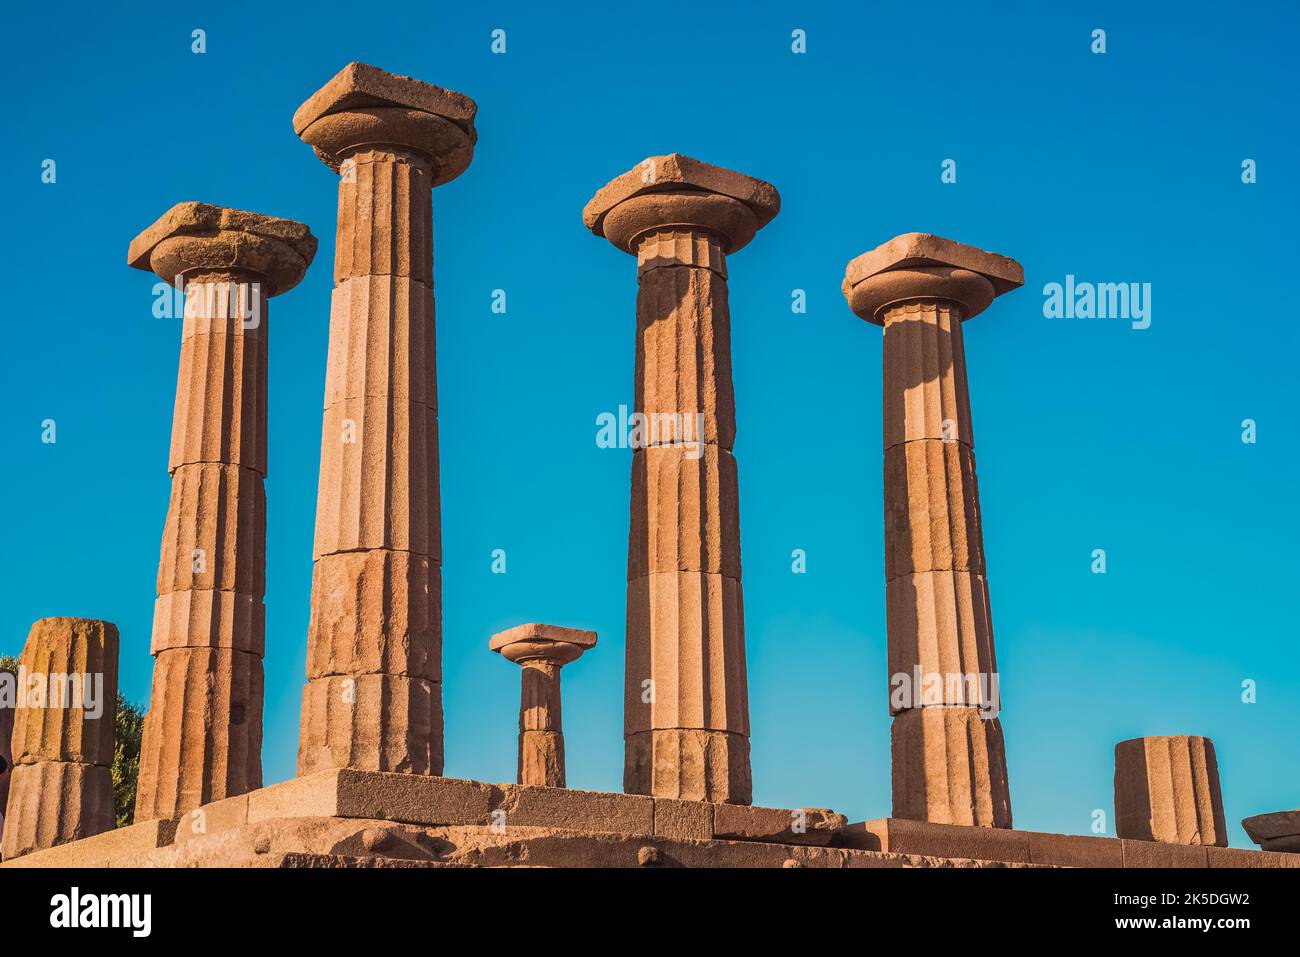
373 698
949 764
686 708
202 738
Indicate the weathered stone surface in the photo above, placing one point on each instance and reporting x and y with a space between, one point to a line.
675 173
948 764
525 806
541 651
385 227
1276 831
891 272
683 357
949 767
686 636
688 764
941 632
1167 790
199 237
686 711
202 737
899 836
376 620
55 802
375 612
74 663
685 512
209 619
362 106
219 414
926 395
932 509
814 826
372 722
379 478
215 534
382 340
203 732
684 820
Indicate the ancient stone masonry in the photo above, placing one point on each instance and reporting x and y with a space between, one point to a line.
686 710
1167 790
541 651
373 698
949 766
203 731
62 788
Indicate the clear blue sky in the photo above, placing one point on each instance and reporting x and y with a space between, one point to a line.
1117 167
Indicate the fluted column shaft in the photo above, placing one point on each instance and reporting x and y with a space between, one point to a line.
949 761
374 639
687 729
63 735
202 738
541 730
1167 789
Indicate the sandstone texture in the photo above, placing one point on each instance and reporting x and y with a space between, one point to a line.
949 762
686 713
203 731
541 651
61 788
374 694
1167 790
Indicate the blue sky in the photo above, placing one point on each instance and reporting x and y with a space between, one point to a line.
1122 167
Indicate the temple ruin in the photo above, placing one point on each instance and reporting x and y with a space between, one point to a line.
369 789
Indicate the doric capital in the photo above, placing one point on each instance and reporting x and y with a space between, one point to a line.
365 106
677 192
197 237
547 642
917 266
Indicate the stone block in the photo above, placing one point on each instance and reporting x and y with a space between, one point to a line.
209 619
949 767
576 810
684 820
1167 790
215 534
813 826
689 765
375 612
932 510
926 395
685 512
373 722
382 338
56 802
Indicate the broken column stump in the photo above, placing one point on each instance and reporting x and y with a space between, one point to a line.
62 787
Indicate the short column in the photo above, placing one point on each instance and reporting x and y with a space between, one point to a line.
1167 790
62 785
541 650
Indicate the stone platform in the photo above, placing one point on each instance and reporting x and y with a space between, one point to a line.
346 818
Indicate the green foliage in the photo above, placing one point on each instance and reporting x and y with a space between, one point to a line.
126 759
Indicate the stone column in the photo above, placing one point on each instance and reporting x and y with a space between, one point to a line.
202 738
541 650
373 698
949 766
1167 790
62 786
686 711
